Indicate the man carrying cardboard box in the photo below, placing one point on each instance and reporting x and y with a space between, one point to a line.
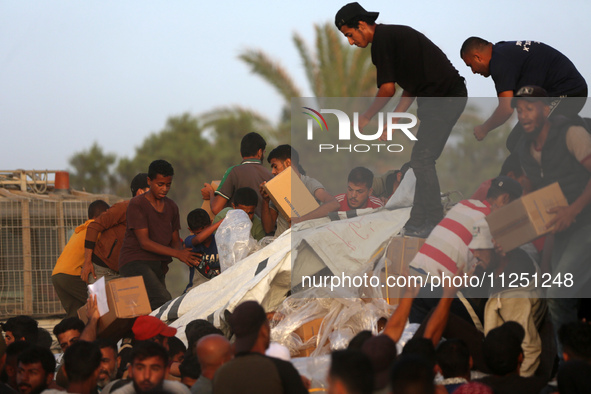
281 158
556 150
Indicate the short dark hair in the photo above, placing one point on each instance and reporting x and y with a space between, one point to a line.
353 368
96 208
190 367
161 167
175 346
147 349
38 354
140 181
16 348
453 357
81 360
103 343
361 175
423 347
471 44
22 327
251 143
198 218
245 196
44 338
512 164
282 152
197 329
412 373
576 340
67 324
354 22
501 348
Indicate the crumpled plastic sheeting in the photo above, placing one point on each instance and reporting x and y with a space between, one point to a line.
343 318
315 369
233 238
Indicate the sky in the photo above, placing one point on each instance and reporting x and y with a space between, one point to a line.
75 72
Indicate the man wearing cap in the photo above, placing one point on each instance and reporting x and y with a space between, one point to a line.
251 371
150 328
556 150
513 64
406 57
104 237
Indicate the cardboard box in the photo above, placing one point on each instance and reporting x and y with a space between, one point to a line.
206 203
290 195
525 219
400 252
306 332
127 299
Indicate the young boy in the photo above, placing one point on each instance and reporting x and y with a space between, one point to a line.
152 235
202 242
245 199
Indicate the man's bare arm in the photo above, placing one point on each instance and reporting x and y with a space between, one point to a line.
501 114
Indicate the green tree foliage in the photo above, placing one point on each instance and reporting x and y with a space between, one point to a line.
92 170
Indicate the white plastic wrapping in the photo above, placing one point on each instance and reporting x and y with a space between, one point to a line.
233 238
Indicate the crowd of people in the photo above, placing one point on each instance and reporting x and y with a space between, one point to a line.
490 339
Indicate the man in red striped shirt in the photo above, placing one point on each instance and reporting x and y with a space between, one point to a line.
446 249
359 191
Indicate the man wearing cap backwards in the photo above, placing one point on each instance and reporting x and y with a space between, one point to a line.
251 371
556 150
104 237
513 64
406 57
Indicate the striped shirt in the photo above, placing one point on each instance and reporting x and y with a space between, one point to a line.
446 248
372 202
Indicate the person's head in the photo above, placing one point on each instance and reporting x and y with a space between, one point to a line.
68 331
453 359
575 338
160 174
197 220
412 374
35 370
150 328
176 350
381 351
190 370
251 328
422 347
139 184
533 108
359 187
44 339
280 158
109 362
357 24
82 363
350 373
476 53
253 146
502 349
20 328
11 363
196 330
512 168
502 191
358 340
213 351
149 366
246 199
96 208
573 377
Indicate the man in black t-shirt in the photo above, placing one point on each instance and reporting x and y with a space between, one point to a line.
514 64
406 57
